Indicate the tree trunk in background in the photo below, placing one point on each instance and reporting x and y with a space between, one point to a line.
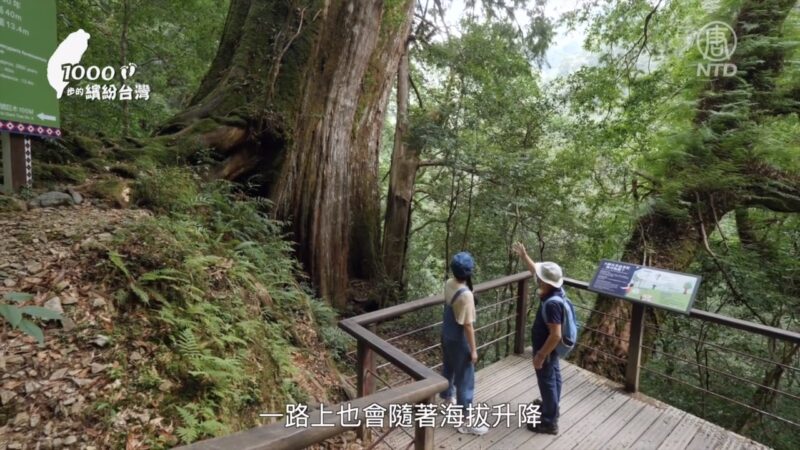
659 240
402 180
671 234
123 60
293 103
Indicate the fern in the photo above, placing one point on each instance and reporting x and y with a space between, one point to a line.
163 275
187 344
190 430
141 294
221 340
14 314
116 259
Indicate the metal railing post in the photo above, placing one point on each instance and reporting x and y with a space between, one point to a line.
522 315
366 379
423 436
635 348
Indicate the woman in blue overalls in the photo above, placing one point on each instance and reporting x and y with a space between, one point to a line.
458 338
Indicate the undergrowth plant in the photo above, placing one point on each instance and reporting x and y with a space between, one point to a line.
15 315
222 297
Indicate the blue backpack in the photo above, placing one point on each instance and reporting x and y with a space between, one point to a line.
569 325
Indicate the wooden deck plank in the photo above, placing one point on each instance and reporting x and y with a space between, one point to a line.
577 412
511 375
736 442
682 434
658 431
705 438
596 413
714 436
523 391
496 367
587 395
731 443
486 391
513 398
631 432
592 420
597 437
711 435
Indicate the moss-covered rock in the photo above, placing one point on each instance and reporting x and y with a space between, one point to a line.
165 190
125 170
113 190
96 165
58 173
152 155
87 147
11 204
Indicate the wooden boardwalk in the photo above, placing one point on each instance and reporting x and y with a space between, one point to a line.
595 414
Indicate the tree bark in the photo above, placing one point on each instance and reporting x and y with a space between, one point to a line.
402 181
766 394
294 102
123 60
670 236
659 240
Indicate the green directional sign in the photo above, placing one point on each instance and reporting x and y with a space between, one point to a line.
28 104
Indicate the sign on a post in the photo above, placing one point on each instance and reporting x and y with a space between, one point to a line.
674 291
28 104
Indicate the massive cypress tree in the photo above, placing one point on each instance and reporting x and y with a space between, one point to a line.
293 102
717 172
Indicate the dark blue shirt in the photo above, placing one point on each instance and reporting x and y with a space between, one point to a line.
539 330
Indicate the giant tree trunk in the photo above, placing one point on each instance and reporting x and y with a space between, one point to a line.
672 233
293 103
659 240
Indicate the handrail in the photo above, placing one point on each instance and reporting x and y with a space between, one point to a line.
278 436
428 382
391 312
757 328
406 363
369 342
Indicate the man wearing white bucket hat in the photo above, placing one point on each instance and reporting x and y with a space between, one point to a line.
545 336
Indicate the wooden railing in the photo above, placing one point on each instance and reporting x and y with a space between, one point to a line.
426 382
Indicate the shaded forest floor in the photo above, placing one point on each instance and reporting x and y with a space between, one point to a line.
51 392
116 373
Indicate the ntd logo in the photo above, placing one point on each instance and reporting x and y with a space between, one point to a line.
716 42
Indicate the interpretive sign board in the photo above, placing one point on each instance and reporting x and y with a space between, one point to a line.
28 103
660 288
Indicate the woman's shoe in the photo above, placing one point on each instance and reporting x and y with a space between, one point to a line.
445 402
477 431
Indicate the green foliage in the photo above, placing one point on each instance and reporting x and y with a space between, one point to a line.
10 204
218 284
57 173
15 315
570 167
485 120
165 190
112 189
658 135
172 44
198 422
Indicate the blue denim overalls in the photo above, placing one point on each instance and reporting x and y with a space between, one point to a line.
457 364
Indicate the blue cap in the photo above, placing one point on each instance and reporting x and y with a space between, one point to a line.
462 265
